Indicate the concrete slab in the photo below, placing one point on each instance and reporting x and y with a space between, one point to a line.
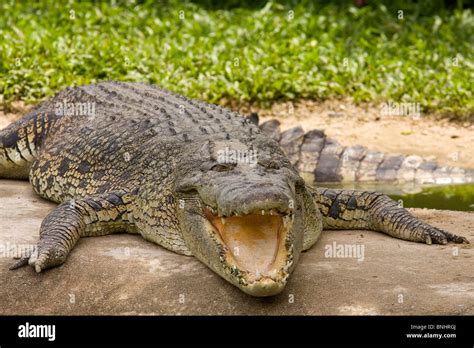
124 274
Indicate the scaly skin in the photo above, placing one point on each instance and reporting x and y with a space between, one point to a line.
148 161
322 159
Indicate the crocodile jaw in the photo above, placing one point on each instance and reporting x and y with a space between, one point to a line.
254 249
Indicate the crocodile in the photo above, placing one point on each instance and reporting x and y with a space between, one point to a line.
322 159
192 177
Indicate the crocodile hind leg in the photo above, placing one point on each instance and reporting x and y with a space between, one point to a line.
347 209
90 216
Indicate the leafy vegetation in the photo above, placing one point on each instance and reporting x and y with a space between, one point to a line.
246 51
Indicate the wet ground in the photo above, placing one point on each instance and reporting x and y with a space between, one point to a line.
124 274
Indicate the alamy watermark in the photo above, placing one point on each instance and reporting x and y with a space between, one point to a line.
28 330
15 250
234 156
335 250
401 109
65 108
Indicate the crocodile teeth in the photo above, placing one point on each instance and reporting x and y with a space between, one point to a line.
287 266
223 220
263 212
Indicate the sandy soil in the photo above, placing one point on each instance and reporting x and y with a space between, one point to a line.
18 110
124 274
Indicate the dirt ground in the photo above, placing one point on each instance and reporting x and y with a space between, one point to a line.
124 274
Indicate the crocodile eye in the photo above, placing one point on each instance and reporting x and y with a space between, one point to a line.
223 167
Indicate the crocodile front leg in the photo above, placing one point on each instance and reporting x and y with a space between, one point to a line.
347 209
90 216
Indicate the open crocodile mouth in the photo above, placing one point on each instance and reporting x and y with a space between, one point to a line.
255 242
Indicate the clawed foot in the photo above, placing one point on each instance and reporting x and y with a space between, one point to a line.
431 234
41 258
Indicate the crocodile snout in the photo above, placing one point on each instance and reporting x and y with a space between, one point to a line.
238 199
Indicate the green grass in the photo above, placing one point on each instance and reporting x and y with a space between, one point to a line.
247 53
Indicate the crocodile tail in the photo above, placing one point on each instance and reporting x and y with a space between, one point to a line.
322 159
19 144
21 140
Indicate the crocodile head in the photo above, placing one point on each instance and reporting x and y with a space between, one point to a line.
243 215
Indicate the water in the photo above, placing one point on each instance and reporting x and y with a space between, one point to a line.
449 197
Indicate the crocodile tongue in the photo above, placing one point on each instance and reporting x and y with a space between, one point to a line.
253 240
